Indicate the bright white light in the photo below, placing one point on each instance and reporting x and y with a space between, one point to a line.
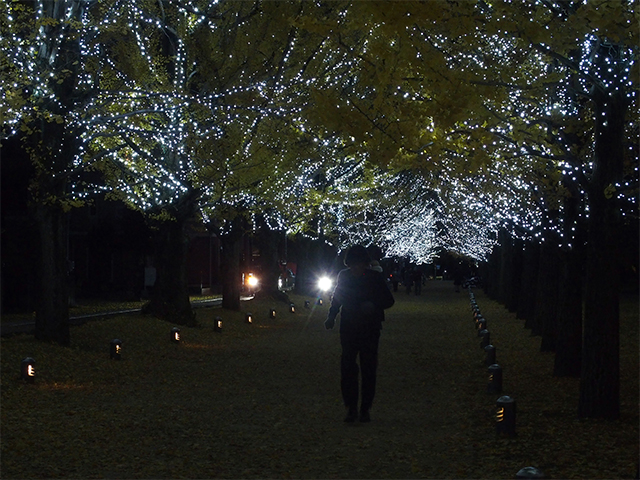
252 281
325 284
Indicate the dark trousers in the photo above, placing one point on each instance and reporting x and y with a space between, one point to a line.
365 346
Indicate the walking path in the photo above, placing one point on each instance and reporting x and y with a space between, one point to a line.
263 400
289 416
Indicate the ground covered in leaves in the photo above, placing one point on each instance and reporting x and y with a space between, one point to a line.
262 400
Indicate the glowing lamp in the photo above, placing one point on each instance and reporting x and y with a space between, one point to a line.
495 379
292 308
115 349
307 304
490 355
28 370
248 318
481 325
319 301
485 338
272 313
217 324
175 335
506 416
324 284
252 281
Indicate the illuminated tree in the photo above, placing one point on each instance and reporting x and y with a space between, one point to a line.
216 132
48 80
538 91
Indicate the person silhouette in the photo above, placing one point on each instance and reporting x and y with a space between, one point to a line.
361 295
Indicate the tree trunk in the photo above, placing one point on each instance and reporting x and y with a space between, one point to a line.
549 282
231 243
528 284
311 265
491 281
569 340
515 276
546 290
600 378
506 265
170 297
52 314
269 261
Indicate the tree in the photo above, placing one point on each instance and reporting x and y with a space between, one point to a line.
49 82
505 87
217 144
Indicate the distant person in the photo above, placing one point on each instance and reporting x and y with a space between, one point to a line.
416 277
458 277
375 266
407 279
361 295
395 279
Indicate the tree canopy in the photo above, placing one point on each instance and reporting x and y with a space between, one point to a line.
416 125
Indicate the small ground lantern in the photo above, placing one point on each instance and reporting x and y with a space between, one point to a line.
506 416
115 349
175 335
272 313
248 318
28 370
319 301
490 355
217 324
292 308
307 304
495 379
485 338
530 472
481 324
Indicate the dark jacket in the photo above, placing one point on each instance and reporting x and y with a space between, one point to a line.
361 301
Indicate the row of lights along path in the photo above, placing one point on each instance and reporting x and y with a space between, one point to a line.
505 413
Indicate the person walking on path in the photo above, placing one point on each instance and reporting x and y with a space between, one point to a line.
416 277
361 295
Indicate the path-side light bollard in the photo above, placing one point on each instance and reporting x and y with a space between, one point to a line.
272 313
506 416
28 370
485 338
319 301
481 325
115 349
307 304
530 472
175 335
292 308
248 318
490 355
495 379
217 324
